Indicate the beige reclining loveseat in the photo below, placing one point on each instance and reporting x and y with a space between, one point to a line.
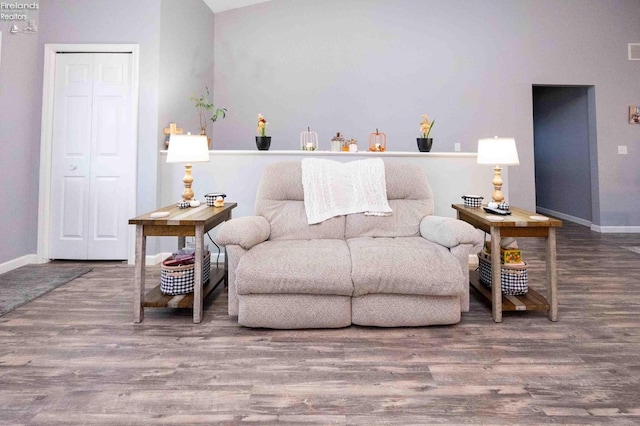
406 269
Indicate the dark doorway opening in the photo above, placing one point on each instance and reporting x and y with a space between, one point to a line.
564 151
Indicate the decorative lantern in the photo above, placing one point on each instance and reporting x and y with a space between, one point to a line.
309 140
377 142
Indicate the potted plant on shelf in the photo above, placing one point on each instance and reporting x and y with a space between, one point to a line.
425 142
207 111
263 142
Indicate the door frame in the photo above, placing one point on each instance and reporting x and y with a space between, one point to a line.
46 135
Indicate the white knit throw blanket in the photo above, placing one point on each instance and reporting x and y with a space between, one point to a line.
332 188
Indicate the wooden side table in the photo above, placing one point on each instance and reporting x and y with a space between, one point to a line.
518 224
181 223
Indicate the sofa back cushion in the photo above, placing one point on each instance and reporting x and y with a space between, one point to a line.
410 197
280 199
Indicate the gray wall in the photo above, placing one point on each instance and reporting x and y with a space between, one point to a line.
186 66
176 59
561 142
354 65
19 141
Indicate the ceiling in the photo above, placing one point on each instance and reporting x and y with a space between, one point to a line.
222 5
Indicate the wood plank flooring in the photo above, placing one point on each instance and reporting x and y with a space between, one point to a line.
74 357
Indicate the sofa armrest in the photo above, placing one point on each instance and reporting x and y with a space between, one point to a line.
245 232
451 232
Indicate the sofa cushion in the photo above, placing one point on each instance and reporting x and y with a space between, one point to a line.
296 266
403 222
405 265
402 310
280 199
410 197
287 311
288 221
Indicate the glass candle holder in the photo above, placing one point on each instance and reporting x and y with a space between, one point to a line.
377 142
308 140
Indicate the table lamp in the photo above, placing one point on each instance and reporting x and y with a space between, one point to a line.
188 149
497 151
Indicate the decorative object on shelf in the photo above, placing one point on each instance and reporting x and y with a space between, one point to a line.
472 200
345 145
182 204
353 145
207 111
634 114
188 149
336 143
498 151
377 142
424 141
309 140
263 142
171 130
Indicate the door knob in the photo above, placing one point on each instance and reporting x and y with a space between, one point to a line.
73 167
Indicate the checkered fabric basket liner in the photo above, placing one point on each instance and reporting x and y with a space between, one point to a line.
180 279
513 278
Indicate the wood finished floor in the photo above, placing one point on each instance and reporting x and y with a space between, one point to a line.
74 357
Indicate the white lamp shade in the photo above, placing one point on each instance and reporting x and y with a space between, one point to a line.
188 149
498 151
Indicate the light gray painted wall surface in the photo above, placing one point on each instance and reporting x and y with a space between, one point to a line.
176 58
186 61
562 161
354 65
186 68
19 141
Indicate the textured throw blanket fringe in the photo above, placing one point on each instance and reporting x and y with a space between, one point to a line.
332 188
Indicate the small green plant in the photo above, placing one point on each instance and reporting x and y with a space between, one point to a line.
262 125
204 108
425 126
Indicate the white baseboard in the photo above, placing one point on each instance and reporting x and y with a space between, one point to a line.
16 263
155 259
616 229
158 258
564 216
595 228
151 259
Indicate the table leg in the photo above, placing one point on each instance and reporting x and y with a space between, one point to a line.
181 243
138 283
496 279
552 278
197 291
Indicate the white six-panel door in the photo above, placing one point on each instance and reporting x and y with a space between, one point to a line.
93 156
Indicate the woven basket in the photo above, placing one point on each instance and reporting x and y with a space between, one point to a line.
180 279
514 279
